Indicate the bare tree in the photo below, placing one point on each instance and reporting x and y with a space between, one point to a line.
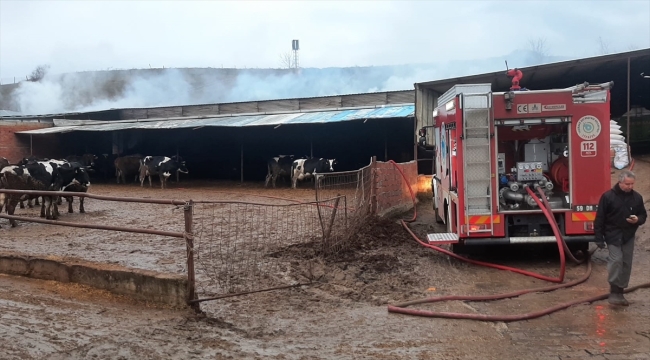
286 60
539 48
603 46
39 73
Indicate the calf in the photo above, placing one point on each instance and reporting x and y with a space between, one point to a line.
127 165
306 168
278 166
161 166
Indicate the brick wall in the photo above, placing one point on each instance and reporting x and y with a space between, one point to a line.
14 147
393 194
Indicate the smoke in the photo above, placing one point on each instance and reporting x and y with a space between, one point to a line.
101 90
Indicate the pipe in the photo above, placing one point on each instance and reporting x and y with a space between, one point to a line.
400 308
511 195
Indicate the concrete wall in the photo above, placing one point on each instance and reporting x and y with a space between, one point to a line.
15 147
168 289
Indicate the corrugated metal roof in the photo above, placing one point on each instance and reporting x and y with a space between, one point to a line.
315 117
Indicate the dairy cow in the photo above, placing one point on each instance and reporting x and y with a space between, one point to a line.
127 166
302 169
162 166
72 177
279 166
32 176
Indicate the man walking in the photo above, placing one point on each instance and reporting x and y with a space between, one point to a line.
620 213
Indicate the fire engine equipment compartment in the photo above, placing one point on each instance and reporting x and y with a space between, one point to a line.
524 155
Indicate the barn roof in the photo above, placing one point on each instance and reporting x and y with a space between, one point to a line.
234 120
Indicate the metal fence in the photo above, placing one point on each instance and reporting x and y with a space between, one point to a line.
358 193
244 247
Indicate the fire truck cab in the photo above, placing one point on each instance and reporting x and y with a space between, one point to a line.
491 146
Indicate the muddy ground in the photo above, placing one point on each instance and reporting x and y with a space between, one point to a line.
342 316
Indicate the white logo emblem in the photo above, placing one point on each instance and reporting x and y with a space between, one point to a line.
588 127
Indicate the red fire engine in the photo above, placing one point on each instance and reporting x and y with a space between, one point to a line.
494 151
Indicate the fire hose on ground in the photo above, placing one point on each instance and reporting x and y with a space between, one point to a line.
562 247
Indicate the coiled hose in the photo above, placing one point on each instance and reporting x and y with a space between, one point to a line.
562 247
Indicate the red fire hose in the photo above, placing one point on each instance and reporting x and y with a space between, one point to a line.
401 308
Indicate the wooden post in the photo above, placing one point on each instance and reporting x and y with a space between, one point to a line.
189 245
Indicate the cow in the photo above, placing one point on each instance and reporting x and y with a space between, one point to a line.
72 177
86 160
278 166
127 166
104 167
306 168
32 176
161 166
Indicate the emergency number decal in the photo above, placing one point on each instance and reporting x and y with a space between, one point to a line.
585 208
588 149
588 127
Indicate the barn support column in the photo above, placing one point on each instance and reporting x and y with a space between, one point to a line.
31 146
311 147
385 144
241 164
628 112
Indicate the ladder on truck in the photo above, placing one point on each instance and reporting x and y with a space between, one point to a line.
477 166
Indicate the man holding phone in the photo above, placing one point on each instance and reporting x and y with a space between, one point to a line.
620 213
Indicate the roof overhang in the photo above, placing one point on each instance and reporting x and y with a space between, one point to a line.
234 120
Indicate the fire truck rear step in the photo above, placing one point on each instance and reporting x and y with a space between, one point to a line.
442 238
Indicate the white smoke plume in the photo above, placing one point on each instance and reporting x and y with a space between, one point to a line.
101 90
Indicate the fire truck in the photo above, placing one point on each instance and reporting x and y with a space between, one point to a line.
496 151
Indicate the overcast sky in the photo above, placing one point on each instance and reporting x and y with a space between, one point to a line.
98 35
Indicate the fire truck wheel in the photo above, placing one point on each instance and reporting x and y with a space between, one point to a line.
581 246
458 249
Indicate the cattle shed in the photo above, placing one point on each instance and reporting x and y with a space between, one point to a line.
237 146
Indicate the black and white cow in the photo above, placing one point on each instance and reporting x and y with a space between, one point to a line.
32 176
72 177
3 162
302 169
162 166
279 166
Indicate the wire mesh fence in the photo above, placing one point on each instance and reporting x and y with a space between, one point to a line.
356 189
240 247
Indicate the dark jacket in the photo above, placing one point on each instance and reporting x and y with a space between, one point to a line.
614 208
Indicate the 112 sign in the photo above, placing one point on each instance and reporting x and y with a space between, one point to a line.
588 149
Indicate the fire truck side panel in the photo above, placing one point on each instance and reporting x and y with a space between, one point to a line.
590 157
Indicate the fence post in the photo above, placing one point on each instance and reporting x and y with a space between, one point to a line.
189 243
373 186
